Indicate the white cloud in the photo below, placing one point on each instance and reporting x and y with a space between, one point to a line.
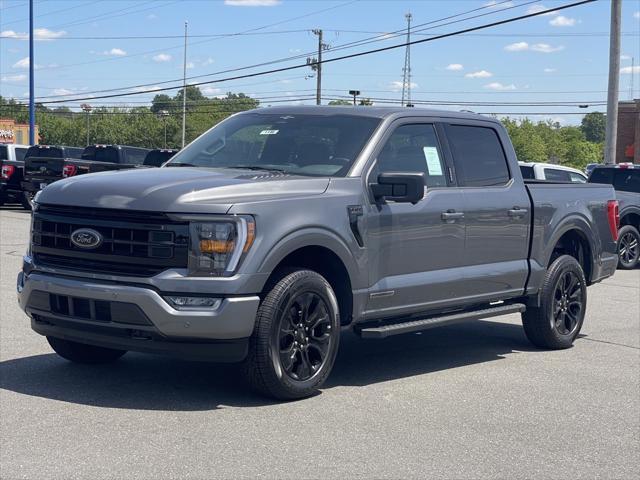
494 4
252 3
625 57
63 91
396 86
454 67
499 86
23 63
115 52
549 70
210 91
636 15
537 8
162 57
152 16
517 47
208 61
190 65
629 70
14 78
546 48
562 21
479 74
39 34
150 88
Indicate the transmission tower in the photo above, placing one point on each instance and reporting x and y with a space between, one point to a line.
406 71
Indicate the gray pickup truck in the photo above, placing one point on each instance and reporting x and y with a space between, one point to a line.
279 228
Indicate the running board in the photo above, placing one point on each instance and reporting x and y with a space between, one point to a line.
419 325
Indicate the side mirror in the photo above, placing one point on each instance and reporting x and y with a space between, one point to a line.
404 187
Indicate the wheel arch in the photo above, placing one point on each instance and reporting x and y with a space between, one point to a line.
575 240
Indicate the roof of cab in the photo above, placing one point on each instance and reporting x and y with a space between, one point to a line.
369 111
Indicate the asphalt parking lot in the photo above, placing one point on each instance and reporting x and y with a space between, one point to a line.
467 401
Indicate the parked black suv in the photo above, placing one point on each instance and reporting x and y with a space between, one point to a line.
625 178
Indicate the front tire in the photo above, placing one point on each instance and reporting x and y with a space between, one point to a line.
628 247
83 353
295 340
556 323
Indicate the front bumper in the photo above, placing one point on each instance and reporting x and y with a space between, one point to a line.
134 318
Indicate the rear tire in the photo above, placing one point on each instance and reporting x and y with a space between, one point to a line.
628 247
27 200
82 353
556 323
295 340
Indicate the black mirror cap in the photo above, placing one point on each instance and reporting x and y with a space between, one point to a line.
404 187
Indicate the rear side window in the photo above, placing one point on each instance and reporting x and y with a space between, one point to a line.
556 175
627 180
20 153
4 153
527 172
602 175
478 156
134 156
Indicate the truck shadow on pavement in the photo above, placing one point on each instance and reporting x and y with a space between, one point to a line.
146 382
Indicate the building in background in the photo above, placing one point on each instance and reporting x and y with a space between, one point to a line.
628 143
12 132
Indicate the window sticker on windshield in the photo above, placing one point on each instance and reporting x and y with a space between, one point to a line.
269 132
433 160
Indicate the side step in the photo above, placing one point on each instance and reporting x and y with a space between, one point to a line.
418 325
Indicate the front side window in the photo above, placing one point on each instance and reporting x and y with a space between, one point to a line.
478 156
556 175
313 145
413 148
577 177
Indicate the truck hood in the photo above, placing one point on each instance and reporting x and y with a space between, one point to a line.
178 189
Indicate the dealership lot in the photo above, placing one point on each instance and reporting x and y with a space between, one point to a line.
467 401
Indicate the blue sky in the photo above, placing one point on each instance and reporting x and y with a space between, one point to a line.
557 57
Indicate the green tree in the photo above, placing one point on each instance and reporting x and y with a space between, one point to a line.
594 126
340 102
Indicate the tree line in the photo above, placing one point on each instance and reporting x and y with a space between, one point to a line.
145 126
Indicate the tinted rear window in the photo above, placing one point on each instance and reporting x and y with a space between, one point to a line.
527 172
556 175
4 152
51 152
478 156
101 154
625 180
156 158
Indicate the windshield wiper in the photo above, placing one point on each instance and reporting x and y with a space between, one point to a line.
171 164
257 167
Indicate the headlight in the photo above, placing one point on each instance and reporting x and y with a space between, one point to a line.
216 246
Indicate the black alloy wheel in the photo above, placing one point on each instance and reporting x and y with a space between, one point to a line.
568 301
304 338
628 247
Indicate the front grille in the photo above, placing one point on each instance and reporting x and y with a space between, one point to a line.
133 243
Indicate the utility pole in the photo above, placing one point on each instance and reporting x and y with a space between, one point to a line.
614 83
164 114
406 71
316 65
86 108
32 95
184 88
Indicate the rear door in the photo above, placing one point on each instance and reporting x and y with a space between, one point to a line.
496 211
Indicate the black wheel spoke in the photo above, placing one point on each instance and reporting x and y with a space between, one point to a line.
305 336
568 303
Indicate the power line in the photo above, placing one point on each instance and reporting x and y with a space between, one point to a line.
345 57
302 55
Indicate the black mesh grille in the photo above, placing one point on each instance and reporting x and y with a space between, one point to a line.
133 243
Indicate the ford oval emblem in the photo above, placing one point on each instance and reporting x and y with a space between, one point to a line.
86 238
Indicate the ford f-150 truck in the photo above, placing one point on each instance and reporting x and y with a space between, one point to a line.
12 167
42 170
625 178
278 228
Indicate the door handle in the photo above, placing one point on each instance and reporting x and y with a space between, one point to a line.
452 215
517 212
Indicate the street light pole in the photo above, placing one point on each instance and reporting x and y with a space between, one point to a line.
32 96
355 93
184 88
614 83
164 114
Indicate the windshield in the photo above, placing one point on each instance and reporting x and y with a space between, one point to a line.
315 145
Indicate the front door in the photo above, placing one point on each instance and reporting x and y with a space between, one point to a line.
415 251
